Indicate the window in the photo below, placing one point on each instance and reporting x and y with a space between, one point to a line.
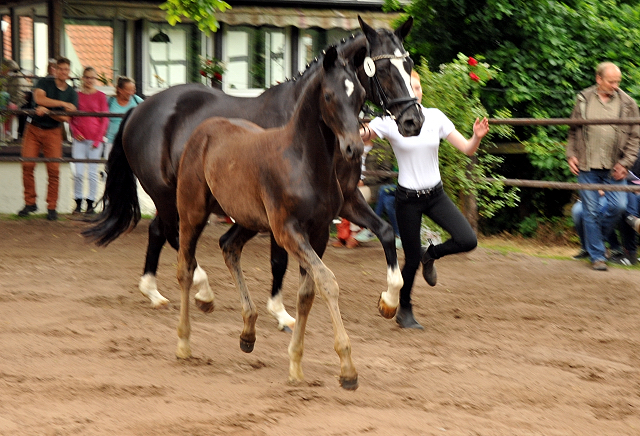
168 51
256 58
313 41
40 52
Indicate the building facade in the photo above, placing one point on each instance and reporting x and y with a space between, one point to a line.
260 42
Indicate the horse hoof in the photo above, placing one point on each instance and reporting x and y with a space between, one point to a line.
385 310
349 384
246 346
295 382
160 304
183 351
287 329
205 306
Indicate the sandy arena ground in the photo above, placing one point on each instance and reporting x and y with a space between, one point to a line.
514 345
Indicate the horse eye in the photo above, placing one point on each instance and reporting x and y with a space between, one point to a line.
327 96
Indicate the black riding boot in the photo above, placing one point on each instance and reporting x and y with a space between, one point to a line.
78 208
428 268
90 209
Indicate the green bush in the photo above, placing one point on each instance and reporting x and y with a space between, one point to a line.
455 90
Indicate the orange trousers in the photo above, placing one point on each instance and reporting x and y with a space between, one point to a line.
49 142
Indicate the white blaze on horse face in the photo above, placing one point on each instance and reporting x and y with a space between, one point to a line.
399 64
348 84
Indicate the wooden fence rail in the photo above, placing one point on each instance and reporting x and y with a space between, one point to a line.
541 184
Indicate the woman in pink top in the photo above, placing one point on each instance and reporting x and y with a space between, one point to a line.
88 134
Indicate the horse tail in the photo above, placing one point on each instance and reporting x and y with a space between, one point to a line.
120 206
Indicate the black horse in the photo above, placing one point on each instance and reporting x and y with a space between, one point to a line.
151 141
280 180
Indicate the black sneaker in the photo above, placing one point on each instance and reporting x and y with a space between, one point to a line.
27 210
582 254
428 268
52 215
620 259
405 319
633 222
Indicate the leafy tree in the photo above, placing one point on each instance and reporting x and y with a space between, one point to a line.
455 90
547 51
203 12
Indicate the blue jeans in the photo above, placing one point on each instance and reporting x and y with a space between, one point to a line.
597 223
629 236
387 205
577 213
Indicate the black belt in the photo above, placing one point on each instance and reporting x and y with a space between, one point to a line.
416 193
42 127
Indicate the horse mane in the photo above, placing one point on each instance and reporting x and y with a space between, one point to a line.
313 65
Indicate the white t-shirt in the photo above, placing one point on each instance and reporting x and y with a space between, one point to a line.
417 156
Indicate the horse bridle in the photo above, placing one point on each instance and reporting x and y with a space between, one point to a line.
385 103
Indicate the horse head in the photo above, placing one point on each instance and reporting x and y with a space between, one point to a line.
341 99
387 76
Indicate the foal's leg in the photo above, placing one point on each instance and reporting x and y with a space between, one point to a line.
279 259
232 251
189 234
306 295
204 297
148 285
275 305
325 282
356 210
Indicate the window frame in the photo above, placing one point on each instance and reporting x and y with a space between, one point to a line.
286 59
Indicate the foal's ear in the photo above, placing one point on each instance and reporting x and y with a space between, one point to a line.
368 31
358 58
402 31
330 58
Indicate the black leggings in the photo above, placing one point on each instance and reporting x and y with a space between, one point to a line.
439 207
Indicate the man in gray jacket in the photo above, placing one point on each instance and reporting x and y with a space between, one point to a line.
603 153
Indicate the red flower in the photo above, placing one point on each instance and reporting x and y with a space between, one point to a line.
474 77
473 62
218 77
209 61
202 73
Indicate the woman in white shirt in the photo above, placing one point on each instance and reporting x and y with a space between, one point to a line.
420 192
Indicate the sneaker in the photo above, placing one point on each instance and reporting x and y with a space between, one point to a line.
398 243
27 210
405 319
78 209
52 215
428 268
599 265
623 259
582 254
365 235
633 222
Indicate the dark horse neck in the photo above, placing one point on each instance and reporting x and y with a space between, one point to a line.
312 138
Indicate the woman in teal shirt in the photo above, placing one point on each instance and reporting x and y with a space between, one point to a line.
124 100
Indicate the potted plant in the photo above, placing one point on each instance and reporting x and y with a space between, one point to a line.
212 69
